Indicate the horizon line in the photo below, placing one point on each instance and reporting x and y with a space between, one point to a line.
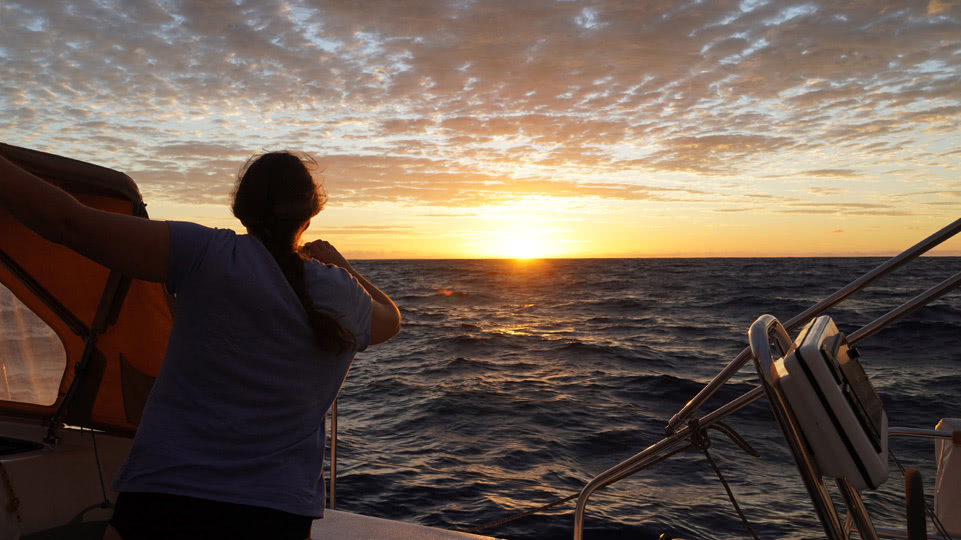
616 257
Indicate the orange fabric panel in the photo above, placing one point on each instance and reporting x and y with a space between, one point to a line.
76 282
140 336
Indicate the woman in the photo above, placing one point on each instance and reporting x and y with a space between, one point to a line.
231 441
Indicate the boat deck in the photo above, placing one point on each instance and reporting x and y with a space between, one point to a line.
347 526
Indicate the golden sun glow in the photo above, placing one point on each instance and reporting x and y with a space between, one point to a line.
521 246
524 236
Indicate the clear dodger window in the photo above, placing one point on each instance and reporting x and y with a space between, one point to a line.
32 357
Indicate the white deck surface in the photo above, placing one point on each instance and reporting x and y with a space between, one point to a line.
338 525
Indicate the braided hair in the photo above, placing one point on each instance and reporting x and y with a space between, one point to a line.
275 197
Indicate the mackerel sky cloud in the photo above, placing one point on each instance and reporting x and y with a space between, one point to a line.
608 128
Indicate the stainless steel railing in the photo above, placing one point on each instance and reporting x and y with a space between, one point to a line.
332 499
677 437
735 365
919 433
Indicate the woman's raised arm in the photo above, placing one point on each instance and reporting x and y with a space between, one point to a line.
137 247
385 318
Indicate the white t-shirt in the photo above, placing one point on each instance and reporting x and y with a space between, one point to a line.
237 412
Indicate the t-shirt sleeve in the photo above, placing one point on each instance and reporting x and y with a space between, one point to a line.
338 292
189 245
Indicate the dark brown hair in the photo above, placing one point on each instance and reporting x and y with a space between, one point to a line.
276 196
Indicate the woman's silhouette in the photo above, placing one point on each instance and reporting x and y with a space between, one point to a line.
232 438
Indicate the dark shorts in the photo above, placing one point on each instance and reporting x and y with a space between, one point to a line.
149 516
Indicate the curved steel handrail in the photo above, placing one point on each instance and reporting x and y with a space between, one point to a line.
642 459
332 499
889 266
919 433
677 436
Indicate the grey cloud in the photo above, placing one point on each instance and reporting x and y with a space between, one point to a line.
846 209
198 149
650 87
713 152
398 126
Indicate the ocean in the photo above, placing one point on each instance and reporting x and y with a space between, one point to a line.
513 383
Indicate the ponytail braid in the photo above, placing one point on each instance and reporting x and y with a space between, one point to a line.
275 197
328 331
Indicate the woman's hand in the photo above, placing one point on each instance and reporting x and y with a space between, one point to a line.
385 317
326 253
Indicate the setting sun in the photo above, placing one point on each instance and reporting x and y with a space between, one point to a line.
527 228
527 235
524 247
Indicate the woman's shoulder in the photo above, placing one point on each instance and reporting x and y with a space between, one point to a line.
196 240
191 230
332 280
328 273
194 247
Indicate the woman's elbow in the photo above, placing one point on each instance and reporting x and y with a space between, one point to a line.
62 224
54 227
384 324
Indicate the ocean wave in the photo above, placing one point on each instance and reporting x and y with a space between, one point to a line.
525 382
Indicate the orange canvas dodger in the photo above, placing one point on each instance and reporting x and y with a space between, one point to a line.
113 329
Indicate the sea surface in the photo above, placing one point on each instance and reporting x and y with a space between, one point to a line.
513 383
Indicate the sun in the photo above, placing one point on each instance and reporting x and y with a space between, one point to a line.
520 231
525 240
524 247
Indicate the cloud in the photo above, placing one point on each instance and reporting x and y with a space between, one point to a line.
831 173
846 209
366 230
198 149
937 7
462 104
941 193
825 191
949 204
713 153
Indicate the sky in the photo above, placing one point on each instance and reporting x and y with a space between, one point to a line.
517 128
